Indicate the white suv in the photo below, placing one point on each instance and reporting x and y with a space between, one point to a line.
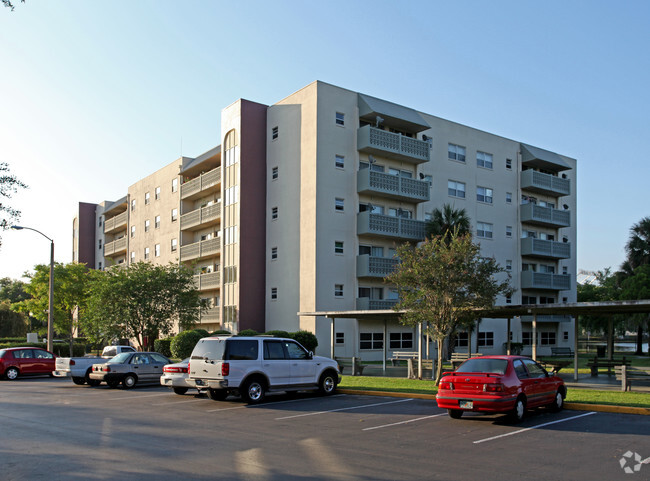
253 366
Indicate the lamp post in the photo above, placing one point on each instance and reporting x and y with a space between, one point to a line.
50 310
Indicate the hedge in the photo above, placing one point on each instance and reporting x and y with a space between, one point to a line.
163 346
183 344
60 349
306 338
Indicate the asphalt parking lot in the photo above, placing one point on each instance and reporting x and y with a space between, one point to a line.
55 430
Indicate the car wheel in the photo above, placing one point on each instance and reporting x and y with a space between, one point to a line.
558 402
112 384
129 381
180 390
79 381
93 382
327 383
253 391
217 394
12 373
455 413
517 413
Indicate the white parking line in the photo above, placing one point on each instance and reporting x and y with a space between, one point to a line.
404 422
533 427
174 403
343 409
137 396
263 405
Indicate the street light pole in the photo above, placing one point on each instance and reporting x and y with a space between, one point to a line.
50 309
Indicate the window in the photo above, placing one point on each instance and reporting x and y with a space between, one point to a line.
565 335
509 299
156 222
274 213
484 230
274 253
147 198
546 300
146 253
340 118
565 270
371 340
456 152
399 212
230 235
338 247
156 250
527 338
174 185
340 338
484 159
146 225
100 244
232 195
132 256
274 133
174 245
528 299
548 339
547 269
174 215
400 340
338 290
509 164
509 265
483 194
485 339
456 189
157 193
274 173
339 161
508 197
529 267
339 204
100 221
462 339
372 165
508 231
274 293
133 204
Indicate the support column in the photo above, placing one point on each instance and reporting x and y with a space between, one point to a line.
508 352
575 348
332 337
535 337
385 350
419 351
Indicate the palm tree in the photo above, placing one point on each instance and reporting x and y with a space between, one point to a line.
446 221
638 245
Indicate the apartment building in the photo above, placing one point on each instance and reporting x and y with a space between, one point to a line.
301 206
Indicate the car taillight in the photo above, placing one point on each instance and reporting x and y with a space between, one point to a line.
446 385
493 387
106 368
225 368
188 367
72 363
174 369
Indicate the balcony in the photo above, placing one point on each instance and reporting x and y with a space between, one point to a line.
395 146
543 280
200 218
395 187
209 280
367 304
541 183
211 314
116 223
547 318
388 226
115 247
200 249
546 216
545 248
201 184
372 266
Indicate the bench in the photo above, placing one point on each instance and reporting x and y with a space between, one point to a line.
402 355
627 374
554 365
354 363
608 363
457 358
561 351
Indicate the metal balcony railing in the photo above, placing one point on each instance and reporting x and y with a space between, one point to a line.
210 280
389 226
115 223
396 146
200 217
547 216
200 249
115 247
201 183
543 280
545 248
367 304
545 183
372 266
393 186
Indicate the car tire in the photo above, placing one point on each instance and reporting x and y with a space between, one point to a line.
455 413
518 412
180 390
253 390
12 373
558 402
79 381
112 384
327 383
129 381
217 394
93 382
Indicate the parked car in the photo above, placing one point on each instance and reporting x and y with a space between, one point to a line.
79 368
500 384
25 361
130 368
253 366
175 376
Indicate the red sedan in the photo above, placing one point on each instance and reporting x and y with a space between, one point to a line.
19 361
499 384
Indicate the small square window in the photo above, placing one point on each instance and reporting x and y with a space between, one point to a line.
174 245
484 230
508 265
274 253
338 290
174 185
484 194
565 335
339 162
340 118
509 164
174 215
339 204
456 189
340 338
508 197
156 250
146 253
484 159
100 221
132 231
508 231
147 198
456 152
274 293
508 299
100 244
338 247
274 213
274 133
274 173
157 222
133 204
157 193
146 225
132 257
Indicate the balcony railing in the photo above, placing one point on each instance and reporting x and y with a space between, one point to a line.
372 266
389 226
200 249
393 186
210 280
201 183
210 314
367 304
547 318
115 223
201 217
395 146
544 280
115 247
545 248
547 216
545 183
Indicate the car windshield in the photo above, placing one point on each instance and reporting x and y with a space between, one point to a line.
120 358
209 349
476 364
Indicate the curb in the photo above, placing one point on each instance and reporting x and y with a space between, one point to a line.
603 408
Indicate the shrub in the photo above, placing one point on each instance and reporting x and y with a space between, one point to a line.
306 338
277 333
220 332
203 332
163 346
248 332
59 349
183 344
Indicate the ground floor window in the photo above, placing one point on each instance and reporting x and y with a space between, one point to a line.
462 339
340 337
527 338
485 339
548 339
371 340
566 335
401 340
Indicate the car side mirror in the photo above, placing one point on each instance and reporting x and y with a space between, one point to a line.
311 355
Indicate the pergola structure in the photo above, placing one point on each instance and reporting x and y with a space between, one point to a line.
499 312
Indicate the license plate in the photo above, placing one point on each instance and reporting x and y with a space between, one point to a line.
199 382
466 404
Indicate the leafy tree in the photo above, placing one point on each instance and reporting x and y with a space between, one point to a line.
9 185
142 301
637 286
442 282
444 222
638 245
12 291
183 343
9 4
307 339
12 324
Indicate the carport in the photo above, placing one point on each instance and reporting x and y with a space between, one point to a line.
497 312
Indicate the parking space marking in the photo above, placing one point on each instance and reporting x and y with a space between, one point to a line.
404 422
534 427
342 409
137 396
173 403
274 403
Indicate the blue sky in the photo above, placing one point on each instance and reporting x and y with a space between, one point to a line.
96 95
